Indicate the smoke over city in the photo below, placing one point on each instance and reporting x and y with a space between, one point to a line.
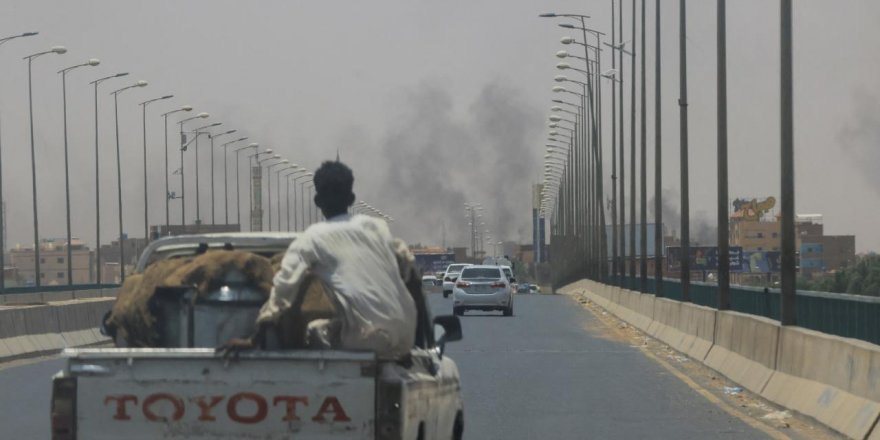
861 137
435 160
702 226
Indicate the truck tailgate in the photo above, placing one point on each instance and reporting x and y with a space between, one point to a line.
191 393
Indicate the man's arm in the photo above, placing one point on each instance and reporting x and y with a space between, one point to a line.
287 281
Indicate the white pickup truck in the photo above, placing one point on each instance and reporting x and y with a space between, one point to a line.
187 391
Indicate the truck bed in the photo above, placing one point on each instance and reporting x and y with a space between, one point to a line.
123 393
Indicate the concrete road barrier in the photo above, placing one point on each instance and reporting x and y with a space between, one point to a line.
685 327
744 349
35 330
832 379
835 380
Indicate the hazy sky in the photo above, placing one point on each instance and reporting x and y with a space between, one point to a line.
431 103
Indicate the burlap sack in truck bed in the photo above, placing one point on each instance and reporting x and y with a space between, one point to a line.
134 322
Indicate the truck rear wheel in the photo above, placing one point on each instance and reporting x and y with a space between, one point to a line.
509 310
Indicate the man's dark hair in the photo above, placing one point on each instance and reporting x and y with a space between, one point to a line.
333 187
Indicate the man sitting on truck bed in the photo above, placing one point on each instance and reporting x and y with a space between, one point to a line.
358 261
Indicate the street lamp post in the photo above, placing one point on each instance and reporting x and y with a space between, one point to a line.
226 179
295 218
60 50
63 72
237 180
2 215
115 94
212 137
98 181
683 139
168 196
183 145
287 178
269 187
278 192
146 199
196 133
302 201
312 218
257 163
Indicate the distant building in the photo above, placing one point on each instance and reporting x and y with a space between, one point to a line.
755 235
538 223
53 263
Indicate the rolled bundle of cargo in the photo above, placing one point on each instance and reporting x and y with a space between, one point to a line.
198 301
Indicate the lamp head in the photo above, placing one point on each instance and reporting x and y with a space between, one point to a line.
141 83
120 74
563 66
560 78
555 118
556 108
203 115
215 124
562 54
60 50
566 25
566 40
94 62
559 89
547 15
186 108
253 145
230 131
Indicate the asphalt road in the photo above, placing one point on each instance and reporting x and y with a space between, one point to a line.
537 375
541 375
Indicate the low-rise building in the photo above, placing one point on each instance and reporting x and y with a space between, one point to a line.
53 263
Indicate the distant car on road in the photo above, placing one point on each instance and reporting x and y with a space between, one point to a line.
534 288
450 276
482 288
508 272
523 288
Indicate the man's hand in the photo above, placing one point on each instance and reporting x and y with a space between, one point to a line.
234 346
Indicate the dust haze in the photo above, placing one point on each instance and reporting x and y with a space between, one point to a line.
435 159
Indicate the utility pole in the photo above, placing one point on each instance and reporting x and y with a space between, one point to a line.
632 154
788 316
683 127
643 166
613 148
658 181
723 231
622 264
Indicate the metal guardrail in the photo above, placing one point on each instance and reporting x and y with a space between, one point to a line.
840 314
64 288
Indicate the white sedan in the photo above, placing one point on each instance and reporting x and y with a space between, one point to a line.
482 288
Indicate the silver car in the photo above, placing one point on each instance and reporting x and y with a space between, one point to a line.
482 288
450 277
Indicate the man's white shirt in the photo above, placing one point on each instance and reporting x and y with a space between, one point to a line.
356 257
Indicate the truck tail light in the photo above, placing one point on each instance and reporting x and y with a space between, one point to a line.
498 284
462 284
63 411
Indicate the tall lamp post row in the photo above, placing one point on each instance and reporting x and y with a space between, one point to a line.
573 171
60 50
